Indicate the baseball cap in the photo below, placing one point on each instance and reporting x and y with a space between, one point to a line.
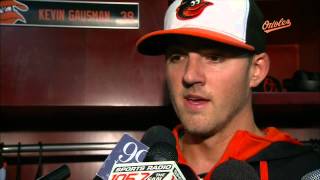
236 23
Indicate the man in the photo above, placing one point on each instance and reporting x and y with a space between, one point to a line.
215 54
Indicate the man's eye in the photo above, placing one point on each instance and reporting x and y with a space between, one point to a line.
174 58
214 58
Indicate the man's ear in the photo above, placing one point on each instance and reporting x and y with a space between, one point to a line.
259 68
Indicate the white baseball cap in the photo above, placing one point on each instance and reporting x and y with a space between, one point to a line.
236 23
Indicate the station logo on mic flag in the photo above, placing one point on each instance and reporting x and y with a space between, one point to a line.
128 150
160 170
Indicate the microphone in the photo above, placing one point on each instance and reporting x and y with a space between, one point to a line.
61 173
161 151
130 150
165 151
235 170
3 173
159 162
187 172
157 134
164 170
127 150
313 175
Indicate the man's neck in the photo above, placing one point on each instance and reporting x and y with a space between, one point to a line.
203 153
201 156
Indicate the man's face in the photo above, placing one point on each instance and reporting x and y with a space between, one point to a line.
209 85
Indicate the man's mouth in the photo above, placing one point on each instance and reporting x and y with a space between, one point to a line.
195 101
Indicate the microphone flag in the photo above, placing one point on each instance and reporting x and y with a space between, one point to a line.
160 170
127 150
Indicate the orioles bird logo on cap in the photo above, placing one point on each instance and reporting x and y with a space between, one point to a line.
9 11
189 9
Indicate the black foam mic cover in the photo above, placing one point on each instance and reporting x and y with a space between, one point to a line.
188 172
61 173
163 148
235 170
161 151
157 134
162 144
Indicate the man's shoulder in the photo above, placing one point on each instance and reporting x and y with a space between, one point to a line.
286 150
287 160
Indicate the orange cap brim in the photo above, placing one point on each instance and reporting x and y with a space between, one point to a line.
155 42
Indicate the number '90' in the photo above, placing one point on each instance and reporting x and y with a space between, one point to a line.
130 151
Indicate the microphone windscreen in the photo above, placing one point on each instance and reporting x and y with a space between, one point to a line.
234 170
313 175
157 134
187 172
61 173
161 151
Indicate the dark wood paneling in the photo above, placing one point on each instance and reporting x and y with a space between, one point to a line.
303 32
78 66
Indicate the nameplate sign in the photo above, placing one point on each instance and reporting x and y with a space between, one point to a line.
77 14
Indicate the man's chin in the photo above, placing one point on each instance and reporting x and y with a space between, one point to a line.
200 135
197 131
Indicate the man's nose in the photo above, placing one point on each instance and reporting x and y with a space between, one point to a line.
194 72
